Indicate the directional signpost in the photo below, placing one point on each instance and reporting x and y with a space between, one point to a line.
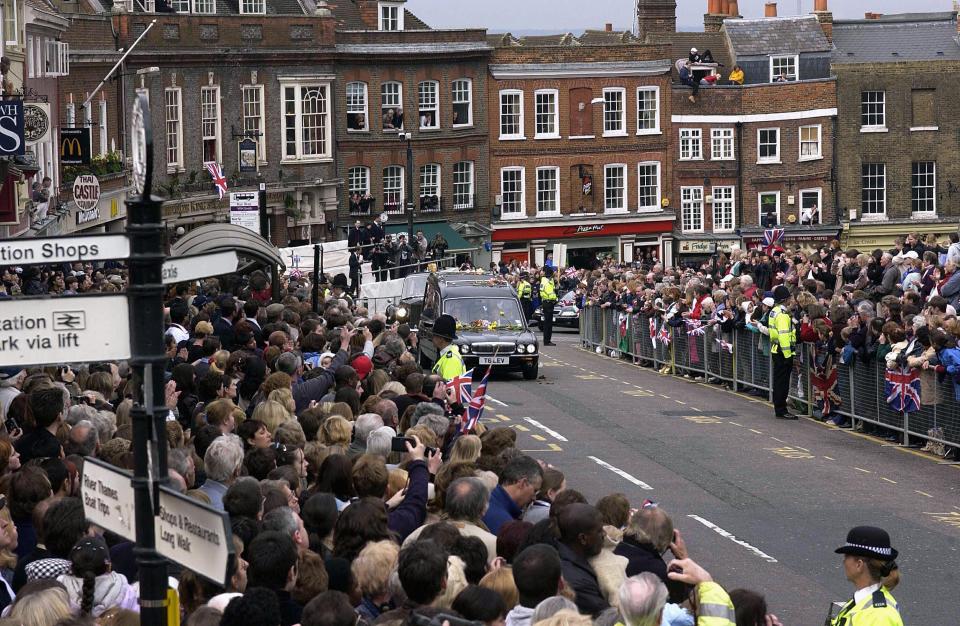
187 268
108 497
37 331
64 249
194 535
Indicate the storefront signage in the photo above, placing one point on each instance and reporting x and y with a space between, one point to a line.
36 122
11 128
86 191
247 149
592 228
698 247
753 241
74 146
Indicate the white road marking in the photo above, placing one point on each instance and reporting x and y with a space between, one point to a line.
723 533
545 429
619 472
492 399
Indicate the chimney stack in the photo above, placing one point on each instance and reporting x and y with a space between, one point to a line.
770 9
608 27
733 9
825 17
872 16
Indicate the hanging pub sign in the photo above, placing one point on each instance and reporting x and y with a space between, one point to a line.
248 155
75 146
36 122
11 128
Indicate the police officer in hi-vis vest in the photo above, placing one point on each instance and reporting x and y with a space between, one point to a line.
449 363
783 342
548 299
525 293
868 561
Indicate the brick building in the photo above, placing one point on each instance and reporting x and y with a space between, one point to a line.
218 75
16 174
898 126
758 155
396 76
579 147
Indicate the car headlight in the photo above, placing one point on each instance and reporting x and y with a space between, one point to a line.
465 348
531 349
401 313
520 348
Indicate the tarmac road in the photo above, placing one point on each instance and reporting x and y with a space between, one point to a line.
762 503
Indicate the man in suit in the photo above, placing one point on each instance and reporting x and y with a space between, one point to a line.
223 326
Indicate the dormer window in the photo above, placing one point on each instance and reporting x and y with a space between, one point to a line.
784 68
391 16
253 7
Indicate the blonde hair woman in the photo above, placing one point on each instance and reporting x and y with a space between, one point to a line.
372 570
501 581
285 397
467 448
41 608
272 414
336 431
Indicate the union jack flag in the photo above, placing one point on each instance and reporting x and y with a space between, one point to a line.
653 332
462 387
724 345
219 180
664 334
695 328
902 386
824 381
477 402
772 239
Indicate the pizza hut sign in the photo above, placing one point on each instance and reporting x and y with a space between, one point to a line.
584 229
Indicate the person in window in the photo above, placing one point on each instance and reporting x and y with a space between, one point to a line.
456 117
809 215
426 120
736 76
686 78
781 78
770 218
398 119
357 121
390 120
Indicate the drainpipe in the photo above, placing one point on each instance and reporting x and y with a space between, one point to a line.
740 169
835 182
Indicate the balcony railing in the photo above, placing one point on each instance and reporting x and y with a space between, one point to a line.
431 204
393 204
463 202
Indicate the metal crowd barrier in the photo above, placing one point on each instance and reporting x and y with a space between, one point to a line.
741 360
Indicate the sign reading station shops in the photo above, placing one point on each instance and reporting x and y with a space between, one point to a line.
108 497
64 249
194 535
68 329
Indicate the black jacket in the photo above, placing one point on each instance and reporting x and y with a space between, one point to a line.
643 557
578 573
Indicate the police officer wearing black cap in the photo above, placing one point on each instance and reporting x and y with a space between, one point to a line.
449 363
868 558
548 300
783 341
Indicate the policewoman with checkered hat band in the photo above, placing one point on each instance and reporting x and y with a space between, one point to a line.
868 559
449 363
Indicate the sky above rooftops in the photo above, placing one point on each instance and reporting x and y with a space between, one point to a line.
549 16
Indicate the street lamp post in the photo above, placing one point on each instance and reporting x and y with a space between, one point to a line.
409 210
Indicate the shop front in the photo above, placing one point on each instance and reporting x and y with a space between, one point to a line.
809 238
868 236
693 252
587 241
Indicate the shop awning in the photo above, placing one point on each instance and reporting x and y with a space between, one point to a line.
219 237
455 242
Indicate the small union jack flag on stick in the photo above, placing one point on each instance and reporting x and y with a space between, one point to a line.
475 408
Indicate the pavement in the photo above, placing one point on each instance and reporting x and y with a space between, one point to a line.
761 503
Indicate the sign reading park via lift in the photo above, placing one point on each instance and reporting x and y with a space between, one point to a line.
187 268
69 329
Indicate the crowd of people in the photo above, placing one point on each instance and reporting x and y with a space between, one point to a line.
354 497
391 256
897 307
